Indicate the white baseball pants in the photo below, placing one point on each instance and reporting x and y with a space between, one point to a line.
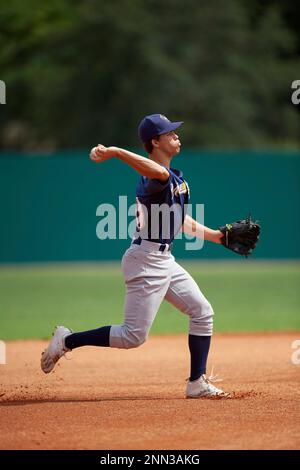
151 276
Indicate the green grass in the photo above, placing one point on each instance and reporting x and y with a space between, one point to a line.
246 296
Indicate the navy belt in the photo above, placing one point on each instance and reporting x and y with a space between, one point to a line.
161 246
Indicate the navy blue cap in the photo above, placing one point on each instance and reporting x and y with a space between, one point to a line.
156 124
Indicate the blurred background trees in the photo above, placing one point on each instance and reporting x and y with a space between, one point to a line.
82 72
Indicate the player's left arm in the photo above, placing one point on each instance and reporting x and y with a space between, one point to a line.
195 229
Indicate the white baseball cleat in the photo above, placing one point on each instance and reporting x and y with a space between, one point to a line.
56 349
202 387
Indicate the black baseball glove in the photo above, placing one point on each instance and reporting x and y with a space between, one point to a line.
241 236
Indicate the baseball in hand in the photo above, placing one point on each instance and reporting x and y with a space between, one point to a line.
101 153
93 152
96 154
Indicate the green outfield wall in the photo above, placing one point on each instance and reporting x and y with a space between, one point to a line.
49 202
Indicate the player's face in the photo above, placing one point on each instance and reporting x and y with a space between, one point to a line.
170 143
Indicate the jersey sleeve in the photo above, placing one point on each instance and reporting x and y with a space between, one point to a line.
153 186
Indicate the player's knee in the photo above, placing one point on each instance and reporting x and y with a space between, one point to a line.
203 311
134 342
208 315
208 311
201 323
135 339
207 318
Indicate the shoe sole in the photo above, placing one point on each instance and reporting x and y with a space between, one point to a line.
208 395
53 362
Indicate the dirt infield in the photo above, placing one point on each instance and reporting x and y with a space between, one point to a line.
116 399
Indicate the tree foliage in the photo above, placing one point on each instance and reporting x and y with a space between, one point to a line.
82 72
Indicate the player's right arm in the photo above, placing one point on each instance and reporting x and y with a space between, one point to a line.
144 166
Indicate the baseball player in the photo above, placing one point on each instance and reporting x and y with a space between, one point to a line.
150 270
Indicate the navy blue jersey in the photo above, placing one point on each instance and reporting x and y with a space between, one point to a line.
161 207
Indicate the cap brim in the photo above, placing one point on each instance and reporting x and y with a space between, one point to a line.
172 126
